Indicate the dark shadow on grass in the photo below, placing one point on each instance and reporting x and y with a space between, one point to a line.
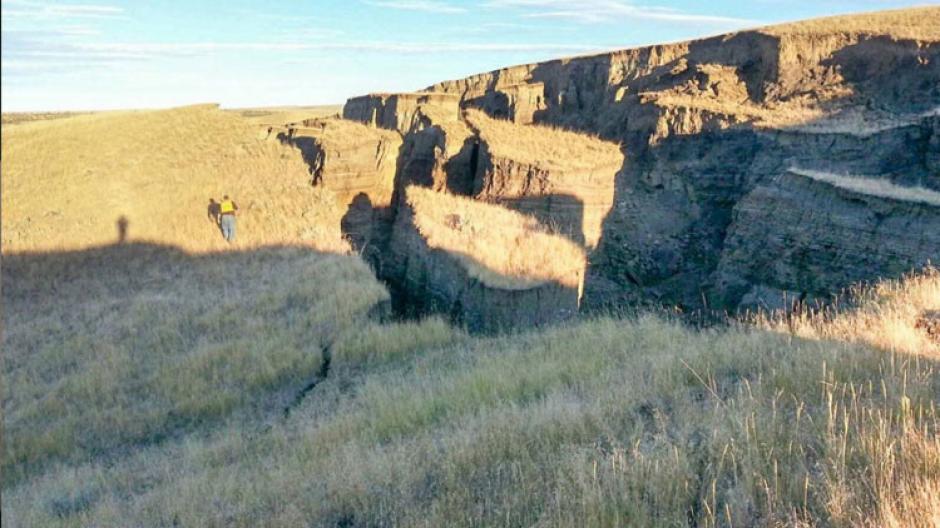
69 314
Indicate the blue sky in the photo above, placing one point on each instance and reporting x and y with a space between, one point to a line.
106 54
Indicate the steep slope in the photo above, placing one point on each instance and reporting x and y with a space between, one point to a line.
566 179
820 232
600 423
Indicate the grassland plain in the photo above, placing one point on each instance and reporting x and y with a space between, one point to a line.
283 115
610 422
68 181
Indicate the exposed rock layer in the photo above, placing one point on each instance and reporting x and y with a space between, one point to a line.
359 165
803 236
565 180
700 209
403 112
430 279
705 123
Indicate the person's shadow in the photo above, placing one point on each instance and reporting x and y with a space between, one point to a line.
214 213
122 223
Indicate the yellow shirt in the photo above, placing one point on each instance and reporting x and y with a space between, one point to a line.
227 207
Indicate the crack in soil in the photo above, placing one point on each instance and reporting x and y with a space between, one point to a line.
321 375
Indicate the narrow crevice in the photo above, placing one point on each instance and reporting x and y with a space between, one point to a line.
321 375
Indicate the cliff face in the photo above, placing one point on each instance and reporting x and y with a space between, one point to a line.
704 125
359 165
434 280
564 179
806 234
680 169
480 264
402 112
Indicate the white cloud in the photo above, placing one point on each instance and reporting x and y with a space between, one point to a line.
606 11
153 50
36 10
71 57
428 6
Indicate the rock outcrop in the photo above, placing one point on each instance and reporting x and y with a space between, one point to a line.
703 124
563 178
403 112
671 167
806 234
519 103
359 165
442 156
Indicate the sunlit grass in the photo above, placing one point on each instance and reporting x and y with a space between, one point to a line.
68 181
500 247
874 187
545 147
638 422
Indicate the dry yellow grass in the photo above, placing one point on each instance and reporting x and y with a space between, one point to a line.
885 316
921 23
874 187
118 346
601 423
15 118
545 147
284 115
501 248
68 181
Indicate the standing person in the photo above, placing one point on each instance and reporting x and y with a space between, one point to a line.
227 218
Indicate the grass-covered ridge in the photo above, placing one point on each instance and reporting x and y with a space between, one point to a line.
910 23
636 422
881 188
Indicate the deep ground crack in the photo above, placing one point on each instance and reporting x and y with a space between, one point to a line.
321 375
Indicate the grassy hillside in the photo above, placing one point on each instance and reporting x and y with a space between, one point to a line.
68 181
170 379
15 118
831 421
125 345
910 23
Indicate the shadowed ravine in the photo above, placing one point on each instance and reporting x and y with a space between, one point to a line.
715 138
